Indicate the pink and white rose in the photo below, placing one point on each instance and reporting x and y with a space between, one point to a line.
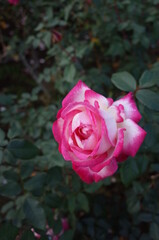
95 133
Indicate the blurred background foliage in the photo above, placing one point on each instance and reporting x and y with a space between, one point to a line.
45 48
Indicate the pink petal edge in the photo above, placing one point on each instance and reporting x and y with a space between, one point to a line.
130 107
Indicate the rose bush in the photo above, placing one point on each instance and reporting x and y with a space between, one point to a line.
95 133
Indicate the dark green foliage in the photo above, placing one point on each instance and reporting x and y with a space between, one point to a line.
34 213
8 231
149 98
46 47
22 149
28 235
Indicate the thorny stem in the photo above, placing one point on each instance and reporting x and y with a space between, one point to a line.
33 74
3 45
74 59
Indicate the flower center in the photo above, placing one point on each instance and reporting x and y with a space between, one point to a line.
84 131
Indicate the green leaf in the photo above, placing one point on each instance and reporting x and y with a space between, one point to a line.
9 158
71 203
155 167
1 156
11 214
15 130
148 98
11 174
26 169
76 183
145 236
53 201
40 26
68 235
133 203
124 81
139 29
142 163
129 171
69 73
48 14
2 136
5 99
8 232
22 149
149 78
145 217
152 134
36 42
36 182
34 213
91 188
7 206
154 231
67 11
54 176
28 235
57 226
10 189
47 39
83 202
116 49
138 188
57 159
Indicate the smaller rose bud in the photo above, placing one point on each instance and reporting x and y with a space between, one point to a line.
13 2
56 36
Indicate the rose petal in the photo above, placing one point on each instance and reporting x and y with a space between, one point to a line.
89 176
96 99
130 107
77 94
117 112
110 124
133 137
90 142
84 158
113 152
104 143
79 118
122 157
57 129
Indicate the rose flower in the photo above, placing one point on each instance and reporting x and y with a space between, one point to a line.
95 133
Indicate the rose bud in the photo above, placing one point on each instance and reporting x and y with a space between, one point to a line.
56 36
13 2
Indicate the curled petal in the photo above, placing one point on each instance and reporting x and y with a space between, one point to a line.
112 153
110 124
77 94
89 176
80 118
57 129
117 112
133 137
104 143
85 159
130 107
97 100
